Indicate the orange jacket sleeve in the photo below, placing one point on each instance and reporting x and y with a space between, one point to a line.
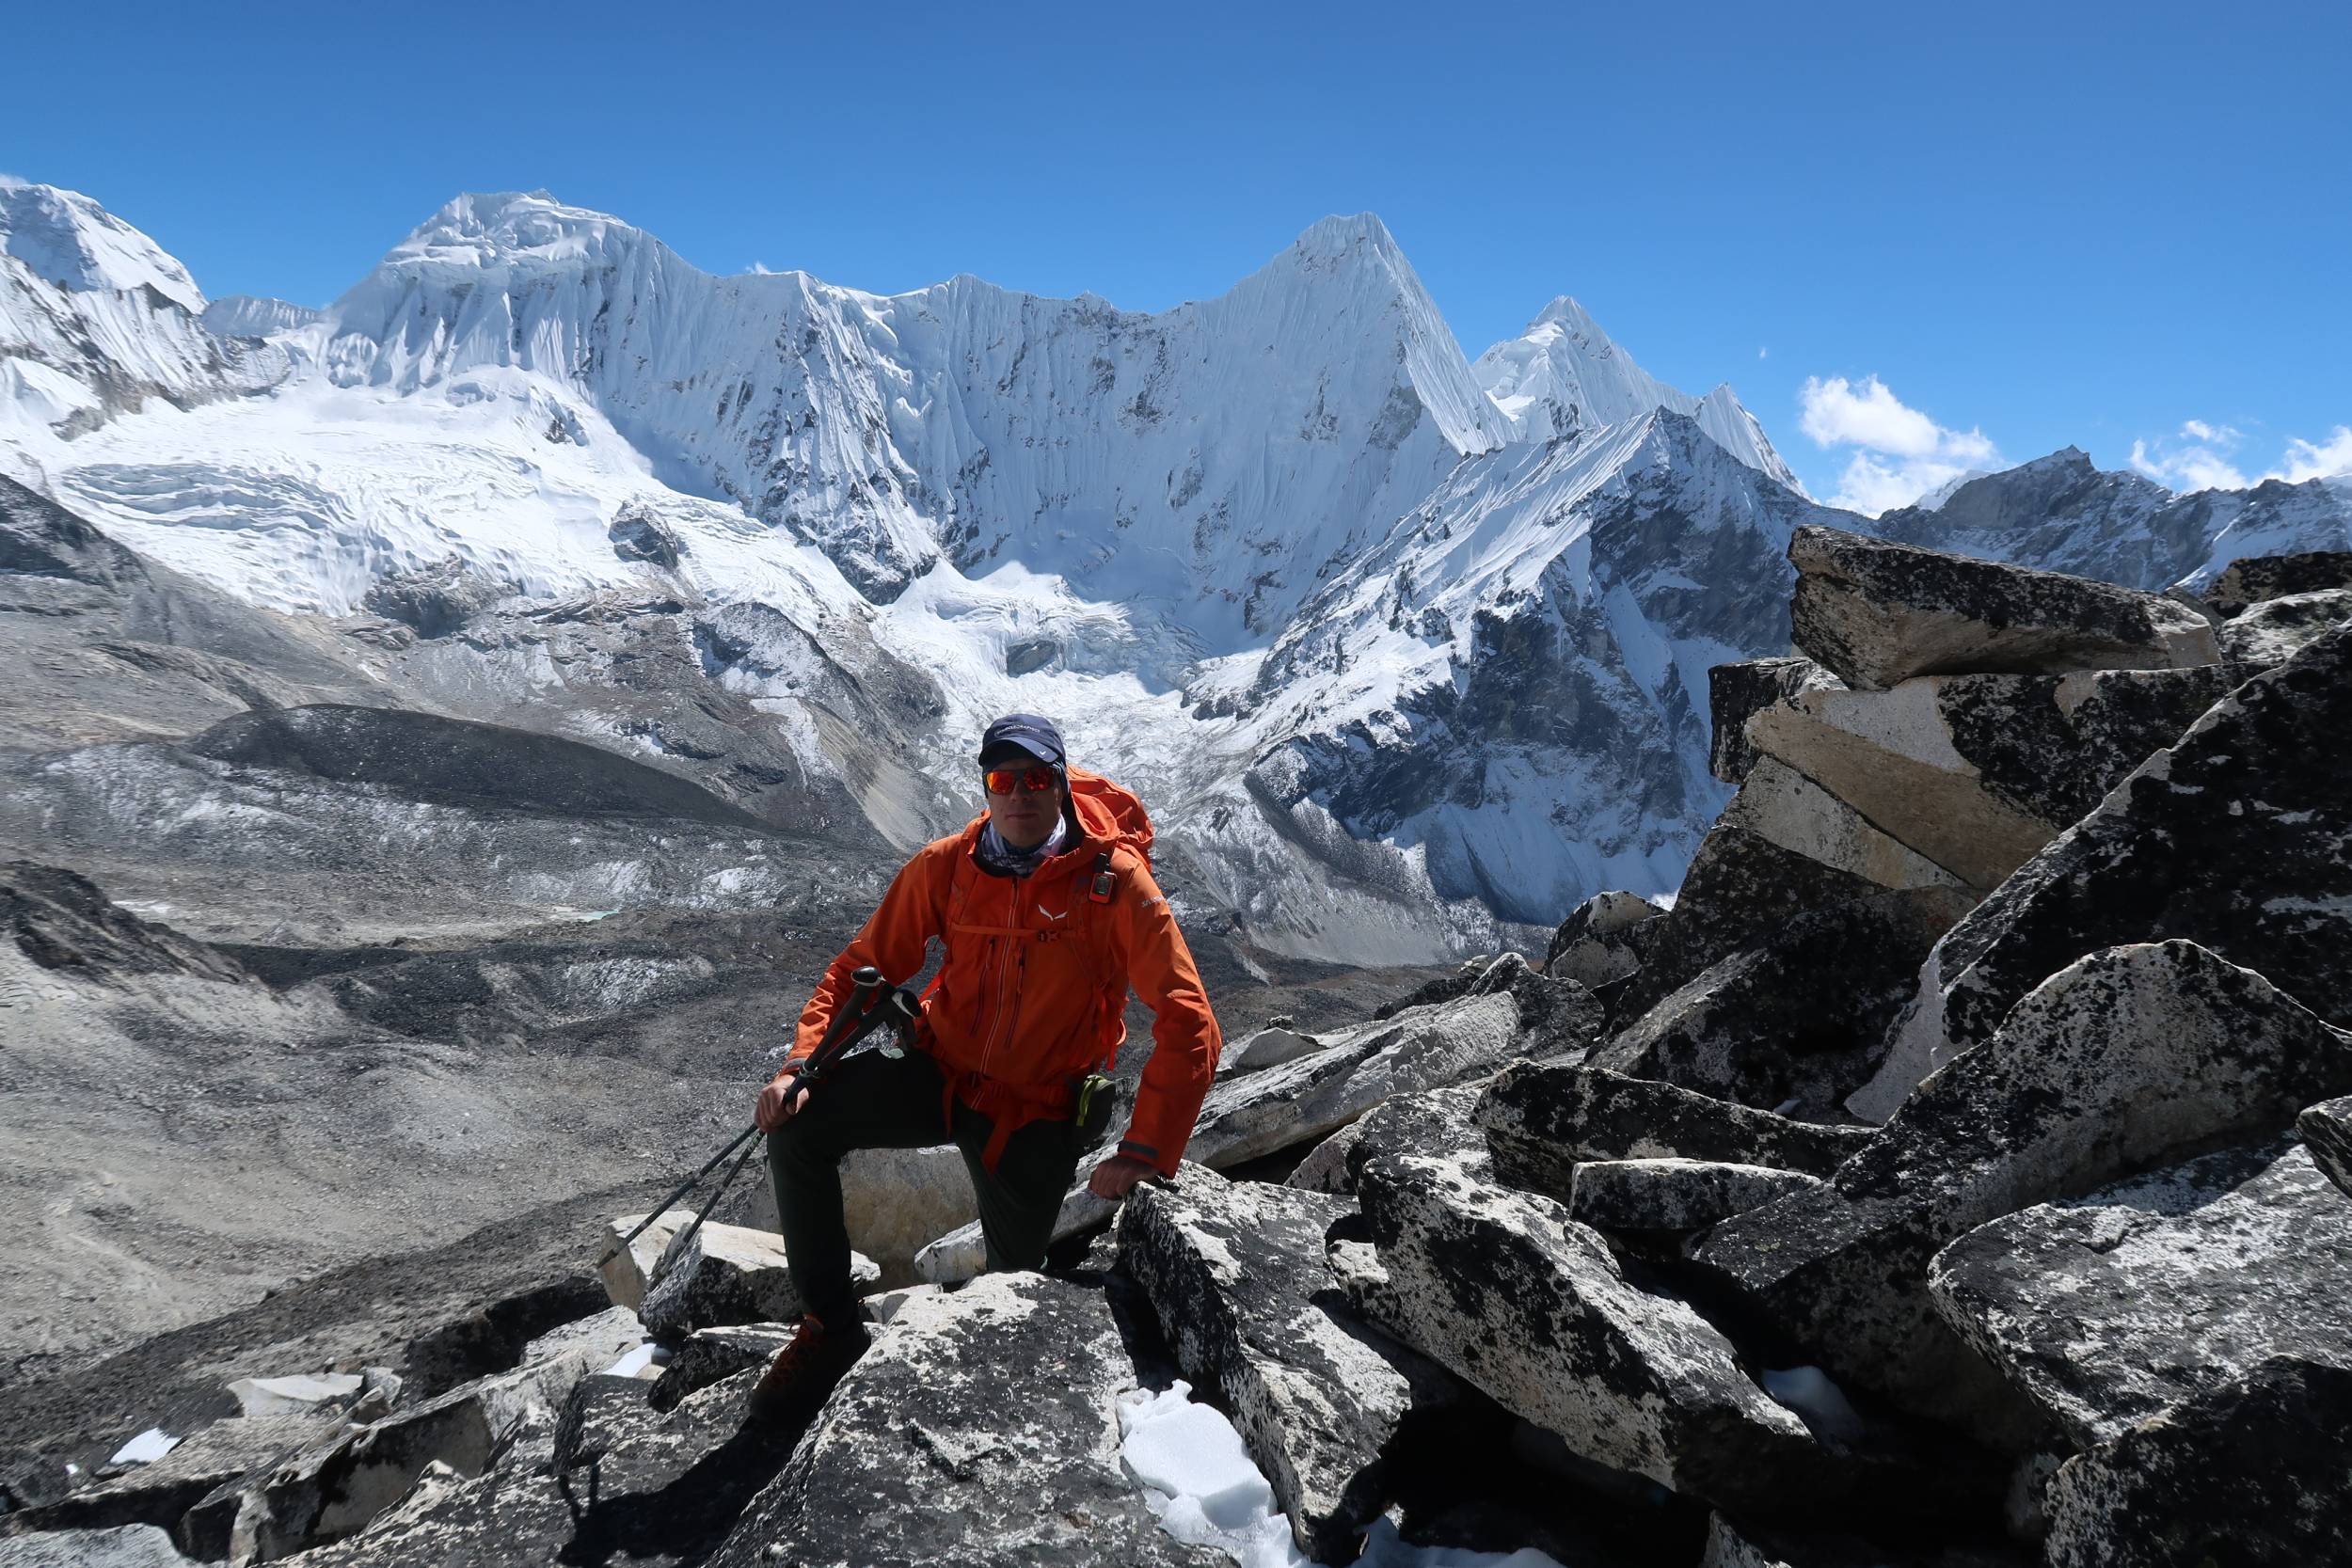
1185 1040
893 941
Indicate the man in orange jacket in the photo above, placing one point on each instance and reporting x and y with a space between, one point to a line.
1048 914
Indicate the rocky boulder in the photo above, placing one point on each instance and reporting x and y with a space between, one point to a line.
998 1406
895 1202
1236 1274
1434 1121
2108 1309
123 1546
2239 838
1507 1291
2251 1473
2256 578
727 1273
1789 811
2122 1059
1875 613
162 1492
714 1354
1736 692
1542 1120
2327 1131
629 1268
2270 633
1649 1195
1800 1020
1603 939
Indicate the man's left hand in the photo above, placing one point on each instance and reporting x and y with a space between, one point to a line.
1116 1177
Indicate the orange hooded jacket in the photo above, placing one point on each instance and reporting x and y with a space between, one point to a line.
1034 989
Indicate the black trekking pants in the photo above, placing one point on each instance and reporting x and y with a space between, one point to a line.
871 1100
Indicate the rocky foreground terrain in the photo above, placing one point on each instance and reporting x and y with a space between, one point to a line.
1959 1173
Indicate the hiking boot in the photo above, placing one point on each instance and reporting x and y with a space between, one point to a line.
796 1382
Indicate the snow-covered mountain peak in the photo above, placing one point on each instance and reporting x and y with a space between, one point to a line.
66 238
1565 376
503 232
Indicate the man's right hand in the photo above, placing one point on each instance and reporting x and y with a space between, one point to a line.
779 1100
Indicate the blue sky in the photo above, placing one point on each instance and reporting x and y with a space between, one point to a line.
1913 238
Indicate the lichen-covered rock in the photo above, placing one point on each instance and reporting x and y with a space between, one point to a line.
2256 578
1543 1119
122 1546
1506 1290
1975 773
1602 939
2326 1131
2251 1473
1736 692
626 1486
2239 838
1674 1195
2124 1058
161 1493
2270 633
1874 614
1800 1020
2108 1309
1237 1274
1434 1121
712 1355
727 1273
996 1406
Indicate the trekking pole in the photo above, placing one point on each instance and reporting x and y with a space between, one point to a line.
679 1191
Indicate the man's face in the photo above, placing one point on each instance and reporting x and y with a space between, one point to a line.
1022 816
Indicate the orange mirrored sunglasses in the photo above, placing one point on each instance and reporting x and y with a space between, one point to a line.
1004 780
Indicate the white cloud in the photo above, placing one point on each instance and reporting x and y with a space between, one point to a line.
1903 454
1763 354
2201 457
761 269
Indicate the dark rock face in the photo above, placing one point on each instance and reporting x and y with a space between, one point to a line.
727 1274
1506 1290
2276 577
1543 1119
713 1355
2121 1059
492 1338
457 762
1737 692
1643 1195
2327 1131
637 534
436 600
161 1493
1602 939
2247 1474
2268 634
2239 838
1236 1272
62 921
1875 613
2109 1309
995 1404
1799 1021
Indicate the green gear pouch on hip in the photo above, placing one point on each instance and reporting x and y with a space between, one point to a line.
1098 1102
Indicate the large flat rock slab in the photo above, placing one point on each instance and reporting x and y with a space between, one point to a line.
1434 1121
727 1273
2126 1057
2251 1473
1503 1288
2327 1129
1737 692
1874 614
1237 1274
2239 837
2109 1309
996 1406
1542 1120
1645 1196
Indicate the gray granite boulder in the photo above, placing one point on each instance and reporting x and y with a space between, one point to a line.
1507 1291
2239 838
2274 631
1236 1272
713 1355
1799 1021
1737 692
1603 939
1674 1195
2123 1059
1874 614
2256 578
1543 1119
997 1407
895 1202
2251 1474
726 1274
1433 1121
122 1546
163 1491
1784 807
1975 773
2108 1309
2327 1131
